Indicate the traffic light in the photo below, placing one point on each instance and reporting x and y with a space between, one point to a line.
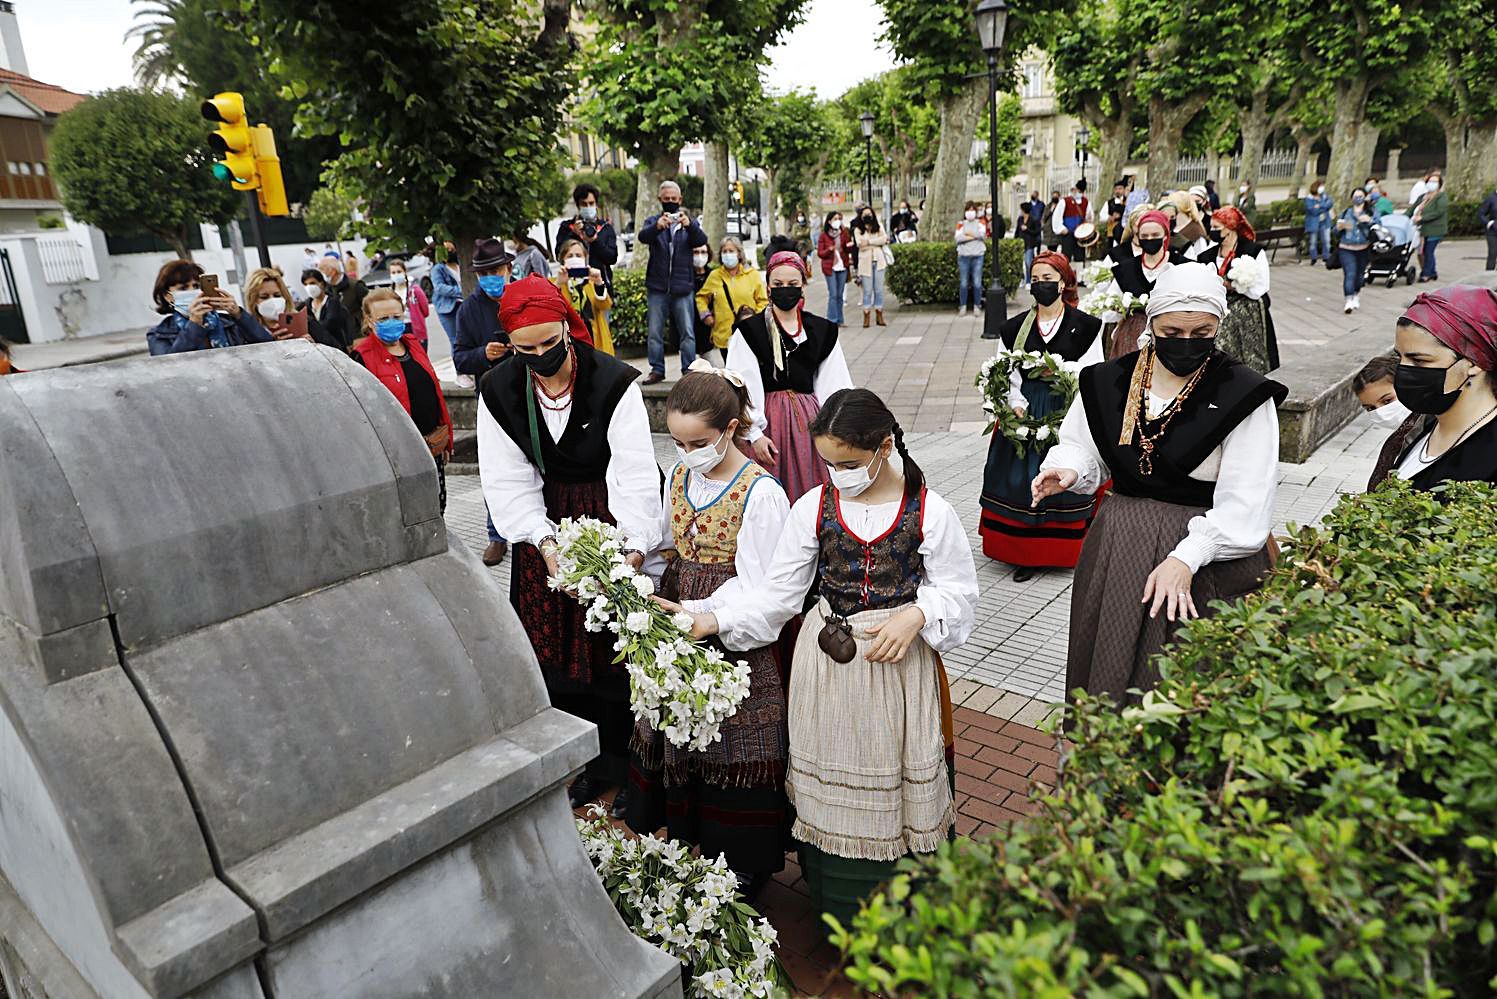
738 191
231 141
248 159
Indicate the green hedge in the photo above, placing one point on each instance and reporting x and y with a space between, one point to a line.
1463 219
926 273
628 320
1308 808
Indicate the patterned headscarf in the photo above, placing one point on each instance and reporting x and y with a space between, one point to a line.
533 300
790 257
784 258
1233 219
1463 318
1062 267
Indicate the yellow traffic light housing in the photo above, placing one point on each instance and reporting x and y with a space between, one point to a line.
231 141
272 190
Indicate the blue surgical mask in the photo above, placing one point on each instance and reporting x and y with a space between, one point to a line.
588 211
730 259
389 330
492 285
182 300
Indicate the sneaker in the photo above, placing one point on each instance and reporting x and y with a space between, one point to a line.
1349 307
465 381
961 310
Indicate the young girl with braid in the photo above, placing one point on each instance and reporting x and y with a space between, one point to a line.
722 515
868 776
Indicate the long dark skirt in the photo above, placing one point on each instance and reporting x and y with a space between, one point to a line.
1247 333
577 664
1013 530
729 800
1113 639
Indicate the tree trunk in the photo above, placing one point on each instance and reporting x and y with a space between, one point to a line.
715 192
1302 143
465 237
1116 135
772 211
1167 123
1254 125
1469 147
1348 137
177 237
655 165
946 191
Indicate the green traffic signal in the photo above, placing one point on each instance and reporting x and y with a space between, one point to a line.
222 172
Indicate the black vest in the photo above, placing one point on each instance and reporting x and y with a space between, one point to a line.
582 453
1129 275
1233 389
1473 460
801 362
1071 341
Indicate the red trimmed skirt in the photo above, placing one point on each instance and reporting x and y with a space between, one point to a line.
799 468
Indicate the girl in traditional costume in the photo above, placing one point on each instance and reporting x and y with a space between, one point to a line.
562 432
869 776
1190 439
791 363
1013 530
723 515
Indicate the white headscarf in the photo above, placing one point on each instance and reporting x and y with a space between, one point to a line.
1188 287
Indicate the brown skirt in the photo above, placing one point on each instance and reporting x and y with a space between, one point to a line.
1123 338
1113 639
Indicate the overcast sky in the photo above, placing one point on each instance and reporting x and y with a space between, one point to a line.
80 45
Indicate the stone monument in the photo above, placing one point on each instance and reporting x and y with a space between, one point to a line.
266 732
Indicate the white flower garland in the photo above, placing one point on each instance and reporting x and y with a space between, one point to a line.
687 906
1024 431
676 685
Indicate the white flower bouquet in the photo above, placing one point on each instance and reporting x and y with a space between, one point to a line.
688 907
1097 272
676 685
995 378
1110 304
1247 274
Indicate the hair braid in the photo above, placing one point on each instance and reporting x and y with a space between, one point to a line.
914 478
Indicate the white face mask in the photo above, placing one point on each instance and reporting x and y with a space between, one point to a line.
272 308
730 259
836 224
1391 415
703 459
398 277
313 289
574 262
700 259
854 481
969 214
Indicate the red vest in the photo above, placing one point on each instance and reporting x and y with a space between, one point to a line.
386 367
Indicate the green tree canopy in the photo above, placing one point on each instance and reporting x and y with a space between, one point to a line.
329 214
129 161
447 114
1464 98
784 135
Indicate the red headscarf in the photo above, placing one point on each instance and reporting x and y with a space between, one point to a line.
1062 267
1463 318
789 257
533 300
1233 219
1154 215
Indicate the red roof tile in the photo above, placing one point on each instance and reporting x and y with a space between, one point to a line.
49 97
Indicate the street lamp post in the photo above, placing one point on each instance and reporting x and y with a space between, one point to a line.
866 120
1083 139
992 20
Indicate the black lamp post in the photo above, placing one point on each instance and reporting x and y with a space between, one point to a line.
992 19
866 120
1083 139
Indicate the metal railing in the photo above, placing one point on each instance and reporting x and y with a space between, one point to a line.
63 259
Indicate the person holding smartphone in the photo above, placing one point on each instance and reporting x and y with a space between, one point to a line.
197 318
671 236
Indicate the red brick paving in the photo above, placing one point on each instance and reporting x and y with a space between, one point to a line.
996 762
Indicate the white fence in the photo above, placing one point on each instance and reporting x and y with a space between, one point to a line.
1277 164
64 259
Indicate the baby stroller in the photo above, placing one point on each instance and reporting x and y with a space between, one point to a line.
1391 255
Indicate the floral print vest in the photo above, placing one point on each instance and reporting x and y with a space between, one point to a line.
858 575
710 534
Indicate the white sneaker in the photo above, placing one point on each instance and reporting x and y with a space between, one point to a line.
1349 307
1356 301
961 310
465 381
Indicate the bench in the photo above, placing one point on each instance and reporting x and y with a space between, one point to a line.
1272 239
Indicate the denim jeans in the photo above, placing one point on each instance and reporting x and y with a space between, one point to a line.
1353 270
488 522
1428 268
449 325
873 289
836 288
970 274
1320 243
1029 255
665 307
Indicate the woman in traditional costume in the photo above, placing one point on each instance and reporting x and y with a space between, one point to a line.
1447 353
869 775
723 515
1013 529
1190 438
791 363
562 432
1137 274
1247 332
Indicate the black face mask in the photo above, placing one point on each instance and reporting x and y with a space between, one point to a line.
785 296
1183 356
1151 246
1045 292
1422 390
545 364
670 207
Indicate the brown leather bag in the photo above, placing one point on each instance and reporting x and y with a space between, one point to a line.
439 440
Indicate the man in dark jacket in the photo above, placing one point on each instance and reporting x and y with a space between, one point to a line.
350 293
596 233
482 343
1488 215
669 287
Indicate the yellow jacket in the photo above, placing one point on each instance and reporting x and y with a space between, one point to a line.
746 288
592 305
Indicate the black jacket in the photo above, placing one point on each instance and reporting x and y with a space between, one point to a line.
336 320
1488 212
